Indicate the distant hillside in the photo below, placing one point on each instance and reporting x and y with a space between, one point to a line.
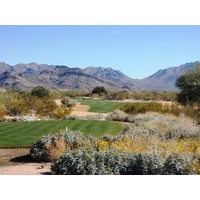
108 74
27 76
60 77
165 79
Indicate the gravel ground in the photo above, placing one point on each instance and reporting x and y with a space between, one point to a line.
18 162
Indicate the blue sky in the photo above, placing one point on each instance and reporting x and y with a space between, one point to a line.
137 51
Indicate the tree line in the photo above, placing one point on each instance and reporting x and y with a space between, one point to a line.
39 101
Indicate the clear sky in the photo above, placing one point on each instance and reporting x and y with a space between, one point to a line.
137 51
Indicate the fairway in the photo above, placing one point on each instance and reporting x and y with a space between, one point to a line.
24 134
100 106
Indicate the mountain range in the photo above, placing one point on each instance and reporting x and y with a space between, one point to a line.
57 77
165 79
60 77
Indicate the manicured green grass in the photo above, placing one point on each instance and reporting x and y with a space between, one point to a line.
100 106
24 134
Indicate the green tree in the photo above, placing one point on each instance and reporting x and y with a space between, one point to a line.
189 85
99 90
40 92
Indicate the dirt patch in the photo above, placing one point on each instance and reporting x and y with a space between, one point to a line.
26 169
79 107
165 102
83 110
58 102
18 162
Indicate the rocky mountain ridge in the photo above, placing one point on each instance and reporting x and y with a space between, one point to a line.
60 77
27 76
165 79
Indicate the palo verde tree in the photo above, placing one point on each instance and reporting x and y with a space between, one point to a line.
189 85
40 92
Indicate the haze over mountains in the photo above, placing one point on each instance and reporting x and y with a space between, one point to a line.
56 77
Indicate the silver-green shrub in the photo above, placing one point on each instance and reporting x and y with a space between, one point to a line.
51 146
71 117
164 126
180 164
117 115
142 164
40 150
88 162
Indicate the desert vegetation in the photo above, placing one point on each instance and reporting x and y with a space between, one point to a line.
101 92
144 107
152 144
39 101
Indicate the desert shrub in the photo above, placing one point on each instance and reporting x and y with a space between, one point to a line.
50 147
122 143
180 164
95 117
166 127
46 107
13 104
117 115
68 102
139 107
84 162
141 95
61 113
176 109
193 111
69 93
143 164
71 117
43 149
88 162
154 95
117 95
152 143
